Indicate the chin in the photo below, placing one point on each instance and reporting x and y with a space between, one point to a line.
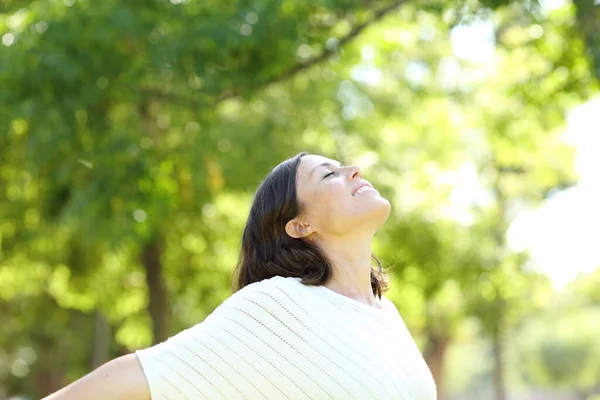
371 216
378 213
383 212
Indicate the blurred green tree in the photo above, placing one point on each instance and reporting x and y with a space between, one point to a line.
562 350
132 135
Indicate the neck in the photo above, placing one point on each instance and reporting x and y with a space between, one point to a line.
351 267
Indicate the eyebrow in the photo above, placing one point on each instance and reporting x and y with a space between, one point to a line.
325 164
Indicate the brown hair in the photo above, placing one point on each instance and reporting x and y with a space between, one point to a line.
268 251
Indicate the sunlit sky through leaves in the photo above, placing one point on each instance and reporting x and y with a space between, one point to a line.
563 235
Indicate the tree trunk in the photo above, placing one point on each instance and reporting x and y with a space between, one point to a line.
48 381
498 349
498 325
588 22
435 356
583 394
158 304
100 353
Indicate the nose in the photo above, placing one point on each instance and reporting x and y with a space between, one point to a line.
354 172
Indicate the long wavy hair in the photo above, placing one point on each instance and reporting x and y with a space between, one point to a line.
268 251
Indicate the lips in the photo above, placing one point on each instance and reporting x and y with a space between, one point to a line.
361 187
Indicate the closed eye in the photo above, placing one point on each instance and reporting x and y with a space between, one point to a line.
330 174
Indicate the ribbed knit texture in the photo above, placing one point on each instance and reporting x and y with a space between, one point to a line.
279 339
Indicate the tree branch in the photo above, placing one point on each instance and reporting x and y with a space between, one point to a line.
587 13
193 103
327 53
174 98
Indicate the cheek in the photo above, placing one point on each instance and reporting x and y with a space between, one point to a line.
334 194
322 202
333 200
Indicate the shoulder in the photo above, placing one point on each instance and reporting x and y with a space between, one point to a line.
249 322
274 284
394 312
389 305
270 295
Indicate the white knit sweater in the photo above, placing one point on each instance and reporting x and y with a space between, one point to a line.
279 339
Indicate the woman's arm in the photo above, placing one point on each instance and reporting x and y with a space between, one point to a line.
119 379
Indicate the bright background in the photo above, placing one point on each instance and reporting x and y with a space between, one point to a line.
133 135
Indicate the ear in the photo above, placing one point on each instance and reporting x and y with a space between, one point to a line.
298 229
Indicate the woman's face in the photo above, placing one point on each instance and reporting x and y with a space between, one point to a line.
336 200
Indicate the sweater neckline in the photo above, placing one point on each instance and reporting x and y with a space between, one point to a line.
335 295
338 297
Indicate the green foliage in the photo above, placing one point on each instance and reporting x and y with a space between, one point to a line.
563 349
129 126
585 288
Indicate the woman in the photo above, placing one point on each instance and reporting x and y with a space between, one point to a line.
308 319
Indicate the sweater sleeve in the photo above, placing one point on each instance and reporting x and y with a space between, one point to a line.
221 357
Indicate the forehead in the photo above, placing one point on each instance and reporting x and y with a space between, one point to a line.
308 163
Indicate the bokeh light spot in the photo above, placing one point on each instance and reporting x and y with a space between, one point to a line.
192 128
19 368
224 145
332 43
19 126
17 21
367 53
8 39
304 51
251 18
28 355
41 27
163 121
536 31
139 215
146 143
102 82
246 30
